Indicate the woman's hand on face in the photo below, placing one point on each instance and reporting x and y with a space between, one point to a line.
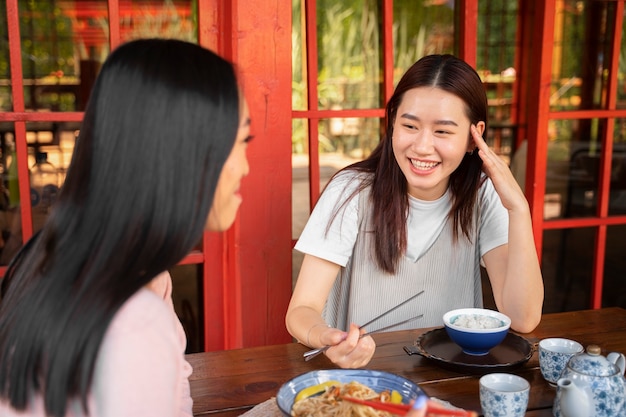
506 186
352 352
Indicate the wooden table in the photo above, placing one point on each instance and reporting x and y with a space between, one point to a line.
228 383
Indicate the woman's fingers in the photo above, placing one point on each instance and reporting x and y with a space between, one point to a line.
497 169
354 351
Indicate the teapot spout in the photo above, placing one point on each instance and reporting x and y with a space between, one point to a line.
573 401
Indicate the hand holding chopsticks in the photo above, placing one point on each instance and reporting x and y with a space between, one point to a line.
313 353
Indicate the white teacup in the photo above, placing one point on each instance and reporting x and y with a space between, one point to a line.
503 395
554 353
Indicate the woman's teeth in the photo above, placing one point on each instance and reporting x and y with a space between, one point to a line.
423 165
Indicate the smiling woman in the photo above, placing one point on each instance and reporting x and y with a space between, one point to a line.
421 213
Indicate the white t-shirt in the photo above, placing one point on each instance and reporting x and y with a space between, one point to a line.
426 220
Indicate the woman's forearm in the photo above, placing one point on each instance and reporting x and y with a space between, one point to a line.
523 291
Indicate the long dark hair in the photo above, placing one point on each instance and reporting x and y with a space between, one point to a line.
160 123
389 193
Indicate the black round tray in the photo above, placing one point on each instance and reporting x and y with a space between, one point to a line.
436 345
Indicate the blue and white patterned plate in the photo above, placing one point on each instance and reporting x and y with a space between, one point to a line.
376 380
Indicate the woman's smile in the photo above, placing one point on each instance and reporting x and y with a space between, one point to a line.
422 166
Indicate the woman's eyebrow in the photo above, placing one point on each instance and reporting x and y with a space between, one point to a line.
446 122
437 122
410 117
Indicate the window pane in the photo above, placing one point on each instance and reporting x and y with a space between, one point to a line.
614 285
496 41
567 268
64 43
495 62
298 60
621 75
342 141
163 19
299 177
187 299
349 138
581 58
50 64
573 167
617 195
421 28
349 53
5 70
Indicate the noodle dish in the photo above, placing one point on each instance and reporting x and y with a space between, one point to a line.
319 393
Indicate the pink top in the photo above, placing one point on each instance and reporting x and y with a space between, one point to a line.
141 368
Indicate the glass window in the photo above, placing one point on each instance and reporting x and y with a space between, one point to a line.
495 63
581 57
50 62
621 72
65 42
5 69
573 167
349 54
298 56
567 267
614 284
421 28
617 193
496 47
187 298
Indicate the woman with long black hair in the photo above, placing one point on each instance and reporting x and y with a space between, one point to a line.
421 213
87 325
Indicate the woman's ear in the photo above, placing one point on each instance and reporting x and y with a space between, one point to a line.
471 146
480 126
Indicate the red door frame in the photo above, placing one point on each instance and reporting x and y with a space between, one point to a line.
540 32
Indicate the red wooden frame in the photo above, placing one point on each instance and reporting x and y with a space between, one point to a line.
247 286
539 114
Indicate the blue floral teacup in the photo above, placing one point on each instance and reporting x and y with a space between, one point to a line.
504 395
553 356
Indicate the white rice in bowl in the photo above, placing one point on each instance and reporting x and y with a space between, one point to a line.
477 321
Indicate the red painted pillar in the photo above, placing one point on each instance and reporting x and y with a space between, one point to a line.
247 288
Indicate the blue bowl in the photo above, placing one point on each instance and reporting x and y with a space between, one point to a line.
476 341
377 380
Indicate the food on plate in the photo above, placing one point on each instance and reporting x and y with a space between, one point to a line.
329 403
477 321
315 389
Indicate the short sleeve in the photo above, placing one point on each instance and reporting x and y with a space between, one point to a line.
493 230
334 243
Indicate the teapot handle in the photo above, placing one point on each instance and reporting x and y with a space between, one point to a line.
618 359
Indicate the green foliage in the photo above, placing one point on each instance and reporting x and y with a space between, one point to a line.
350 60
52 48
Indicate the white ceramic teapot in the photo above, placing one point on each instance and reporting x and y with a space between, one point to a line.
592 386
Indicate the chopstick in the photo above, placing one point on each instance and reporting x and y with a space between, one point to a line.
314 352
399 409
432 408
380 316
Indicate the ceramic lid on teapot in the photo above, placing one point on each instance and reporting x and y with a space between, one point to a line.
592 363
